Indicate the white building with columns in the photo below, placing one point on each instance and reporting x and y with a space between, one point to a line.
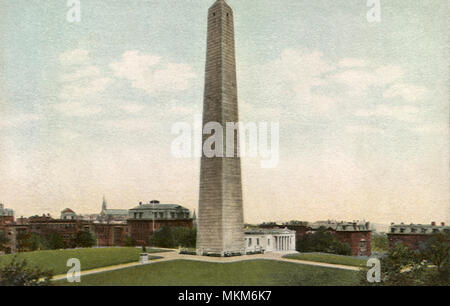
269 240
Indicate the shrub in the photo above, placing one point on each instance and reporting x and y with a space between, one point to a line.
85 239
3 240
130 241
19 274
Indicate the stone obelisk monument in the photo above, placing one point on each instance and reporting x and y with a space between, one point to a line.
220 215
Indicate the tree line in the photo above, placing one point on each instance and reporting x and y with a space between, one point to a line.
52 241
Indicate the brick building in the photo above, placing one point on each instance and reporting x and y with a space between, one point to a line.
110 234
145 219
46 225
6 215
414 235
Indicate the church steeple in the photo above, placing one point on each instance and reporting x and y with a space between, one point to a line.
104 207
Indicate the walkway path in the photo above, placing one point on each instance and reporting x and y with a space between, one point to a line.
169 256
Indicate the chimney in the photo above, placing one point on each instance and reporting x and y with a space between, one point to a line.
433 223
442 223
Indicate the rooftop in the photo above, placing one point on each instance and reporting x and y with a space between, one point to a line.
155 205
67 211
271 231
424 229
116 212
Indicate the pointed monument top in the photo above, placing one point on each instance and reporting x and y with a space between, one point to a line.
220 2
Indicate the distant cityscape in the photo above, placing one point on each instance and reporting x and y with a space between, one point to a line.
115 227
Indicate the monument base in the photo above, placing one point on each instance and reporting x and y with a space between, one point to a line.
215 253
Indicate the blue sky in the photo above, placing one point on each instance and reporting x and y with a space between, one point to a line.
86 108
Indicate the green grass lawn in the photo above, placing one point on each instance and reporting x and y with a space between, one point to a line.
56 260
330 258
194 273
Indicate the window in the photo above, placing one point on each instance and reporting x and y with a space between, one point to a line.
257 241
249 241
268 241
392 230
413 230
402 230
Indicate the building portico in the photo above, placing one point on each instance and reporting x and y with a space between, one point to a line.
269 240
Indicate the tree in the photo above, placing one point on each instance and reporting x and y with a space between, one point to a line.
402 266
23 241
380 243
35 242
184 237
17 273
437 253
130 241
85 239
3 241
437 250
323 241
54 241
162 238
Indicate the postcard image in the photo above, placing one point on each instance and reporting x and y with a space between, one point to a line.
198 145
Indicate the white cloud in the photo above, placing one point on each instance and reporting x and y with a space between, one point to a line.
304 74
69 135
76 109
85 90
363 129
18 120
436 129
359 81
133 124
74 57
132 108
352 63
151 74
402 113
406 91
82 85
81 73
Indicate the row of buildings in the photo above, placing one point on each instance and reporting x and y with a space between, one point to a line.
112 227
415 236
